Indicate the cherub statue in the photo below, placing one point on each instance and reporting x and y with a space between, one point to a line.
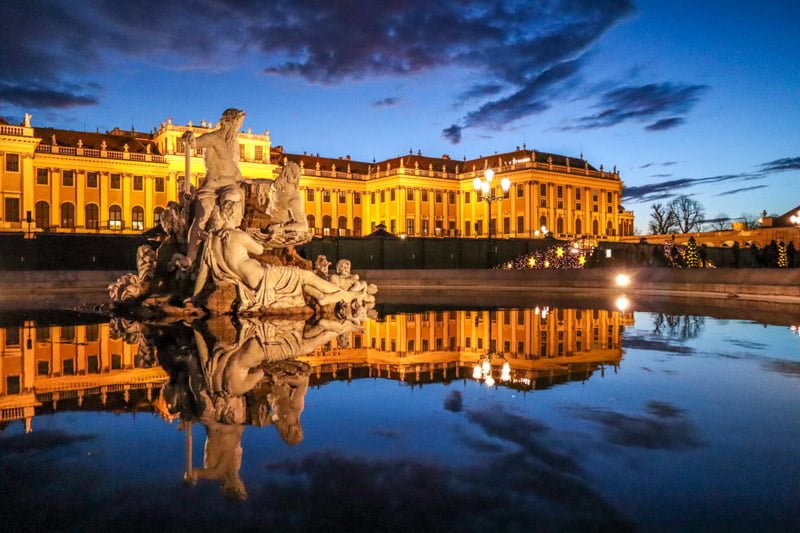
286 209
321 265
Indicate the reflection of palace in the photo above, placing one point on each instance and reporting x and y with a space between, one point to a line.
80 366
119 182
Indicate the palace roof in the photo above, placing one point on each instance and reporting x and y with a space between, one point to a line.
116 140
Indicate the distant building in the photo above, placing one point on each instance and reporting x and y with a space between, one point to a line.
119 182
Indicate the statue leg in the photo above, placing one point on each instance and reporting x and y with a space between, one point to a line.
202 212
325 292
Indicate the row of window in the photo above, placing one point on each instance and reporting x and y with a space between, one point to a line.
92 212
93 180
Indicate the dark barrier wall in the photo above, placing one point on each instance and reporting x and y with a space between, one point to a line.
69 252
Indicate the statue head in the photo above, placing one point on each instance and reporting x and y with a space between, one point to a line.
343 267
232 117
231 207
321 264
290 173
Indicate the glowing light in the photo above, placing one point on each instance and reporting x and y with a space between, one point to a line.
536 311
489 173
545 310
485 187
544 229
505 373
559 252
531 261
536 233
547 264
476 372
476 184
622 303
402 236
505 184
489 381
582 260
486 367
622 280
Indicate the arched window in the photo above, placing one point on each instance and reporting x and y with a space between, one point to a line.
342 225
357 226
326 225
92 216
609 228
311 221
578 228
595 227
157 215
42 215
137 218
559 225
115 217
67 215
543 222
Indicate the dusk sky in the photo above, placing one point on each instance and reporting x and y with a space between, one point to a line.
684 97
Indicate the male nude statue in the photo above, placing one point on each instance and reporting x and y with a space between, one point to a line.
222 173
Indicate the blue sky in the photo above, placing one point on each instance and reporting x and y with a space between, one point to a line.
684 97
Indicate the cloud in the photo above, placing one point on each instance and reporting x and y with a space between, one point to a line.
663 427
660 175
664 164
643 103
782 165
389 101
452 134
41 440
481 90
742 189
454 402
669 188
42 97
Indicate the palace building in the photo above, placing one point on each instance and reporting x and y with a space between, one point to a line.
58 180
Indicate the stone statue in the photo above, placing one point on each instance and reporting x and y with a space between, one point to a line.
321 266
222 173
131 287
286 208
226 259
27 121
348 281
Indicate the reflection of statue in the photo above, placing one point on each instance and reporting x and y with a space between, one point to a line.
131 287
222 172
226 257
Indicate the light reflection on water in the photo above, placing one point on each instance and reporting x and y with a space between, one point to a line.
560 418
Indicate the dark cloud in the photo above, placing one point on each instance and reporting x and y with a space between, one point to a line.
41 440
454 402
663 427
481 90
657 345
452 134
644 103
665 124
782 165
389 101
42 97
660 175
664 164
741 189
787 368
669 188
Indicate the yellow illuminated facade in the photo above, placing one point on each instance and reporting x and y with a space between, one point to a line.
44 366
118 182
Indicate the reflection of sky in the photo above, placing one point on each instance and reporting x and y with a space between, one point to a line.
704 439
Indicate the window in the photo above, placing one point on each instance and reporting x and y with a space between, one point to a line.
467 227
438 197
493 227
411 345
383 196
12 162
506 225
595 228
12 210
520 190
311 221
424 195
391 195
357 198
467 197
560 192
609 197
67 333
116 181
451 198
326 196
138 183
91 180
426 227
520 318
468 342
326 225
342 225
137 218
357 226
68 178
342 197
93 364
42 368
543 189
543 222
159 184
520 224
92 216
242 152
309 195
479 227
116 361
559 225
68 367
410 226
42 215
372 198
67 215
115 217
578 228
392 226
42 176
12 336
259 153
92 332
12 385
410 195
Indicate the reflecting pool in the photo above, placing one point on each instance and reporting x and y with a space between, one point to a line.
543 418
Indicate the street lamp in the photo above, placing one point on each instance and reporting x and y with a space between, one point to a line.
483 186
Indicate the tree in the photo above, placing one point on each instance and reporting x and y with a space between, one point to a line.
688 212
662 219
749 220
721 223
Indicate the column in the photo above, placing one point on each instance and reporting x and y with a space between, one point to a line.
55 197
80 201
126 200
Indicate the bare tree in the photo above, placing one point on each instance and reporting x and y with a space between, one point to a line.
721 223
750 220
662 219
689 213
